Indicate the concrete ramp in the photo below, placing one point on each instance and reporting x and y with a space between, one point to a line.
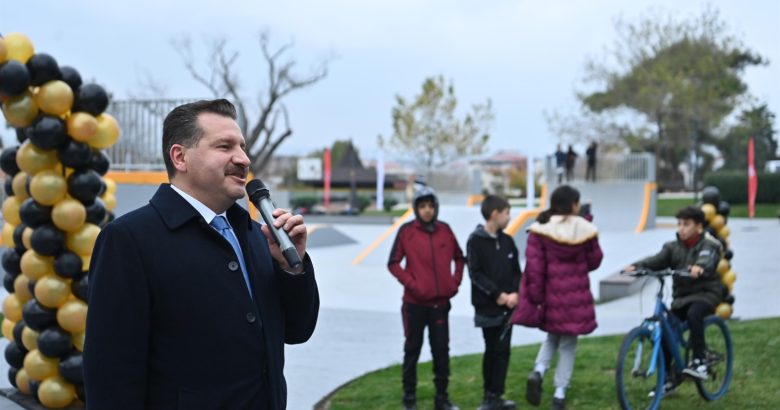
619 206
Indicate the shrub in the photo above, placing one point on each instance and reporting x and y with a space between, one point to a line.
389 203
733 186
304 201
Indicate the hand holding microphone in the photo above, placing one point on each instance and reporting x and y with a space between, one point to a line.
261 198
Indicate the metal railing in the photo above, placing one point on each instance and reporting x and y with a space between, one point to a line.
639 167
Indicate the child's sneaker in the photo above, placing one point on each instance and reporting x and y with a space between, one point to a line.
669 388
697 369
533 390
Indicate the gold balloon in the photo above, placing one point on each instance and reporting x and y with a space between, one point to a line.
8 235
12 308
78 341
19 186
72 316
69 214
29 338
20 110
48 187
35 265
709 211
109 200
724 232
85 261
8 328
82 126
3 51
26 237
56 393
23 382
40 367
82 240
729 278
724 310
22 288
11 210
110 186
107 132
717 222
54 97
723 266
19 46
32 159
51 291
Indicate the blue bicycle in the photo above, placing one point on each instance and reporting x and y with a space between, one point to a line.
641 377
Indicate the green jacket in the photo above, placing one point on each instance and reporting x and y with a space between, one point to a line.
674 254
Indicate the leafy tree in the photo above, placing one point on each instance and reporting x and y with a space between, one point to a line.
758 123
337 151
267 127
429 129
680 79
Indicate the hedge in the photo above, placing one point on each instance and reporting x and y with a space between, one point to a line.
733 186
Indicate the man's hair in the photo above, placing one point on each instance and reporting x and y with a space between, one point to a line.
691 212
181 125
493 203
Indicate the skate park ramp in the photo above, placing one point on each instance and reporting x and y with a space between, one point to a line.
620 206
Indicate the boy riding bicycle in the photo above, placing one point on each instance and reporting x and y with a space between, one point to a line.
694 297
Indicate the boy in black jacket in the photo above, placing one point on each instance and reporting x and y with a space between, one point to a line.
495 278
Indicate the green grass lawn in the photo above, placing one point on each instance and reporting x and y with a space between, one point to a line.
670 206
755 384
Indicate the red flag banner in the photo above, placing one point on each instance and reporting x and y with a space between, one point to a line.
326 178
752 179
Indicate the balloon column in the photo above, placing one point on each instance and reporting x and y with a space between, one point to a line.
56 203
716 212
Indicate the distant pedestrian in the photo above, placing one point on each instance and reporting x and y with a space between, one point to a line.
494 266
571 159
555 289
560 163
590 173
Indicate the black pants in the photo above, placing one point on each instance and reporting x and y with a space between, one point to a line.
693 313
495 362
416 318
590 173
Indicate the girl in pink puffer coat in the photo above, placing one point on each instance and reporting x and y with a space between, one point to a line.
555 289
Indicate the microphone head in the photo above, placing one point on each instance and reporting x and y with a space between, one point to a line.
256 189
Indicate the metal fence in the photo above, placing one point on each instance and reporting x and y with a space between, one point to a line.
639 167
140 144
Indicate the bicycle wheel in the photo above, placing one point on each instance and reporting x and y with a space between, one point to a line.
632 381
719 356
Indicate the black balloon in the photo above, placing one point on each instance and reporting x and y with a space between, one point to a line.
75 155
80 393
34 214
71 369
96 213
47 240
80 288
21 135
711 195
12 376
18 328
54 342
14 355
48 132
18 231
84 185
11 262
31 286
71 77
43 68
9 186
8 282
724 208
728 254
14 78
38 317
91 98
8 161
34 386
99 162
68 265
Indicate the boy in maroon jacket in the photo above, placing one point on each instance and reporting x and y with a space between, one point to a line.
429 248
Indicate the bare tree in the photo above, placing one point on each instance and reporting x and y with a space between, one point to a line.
266 128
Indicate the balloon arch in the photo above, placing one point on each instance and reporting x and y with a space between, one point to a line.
56 202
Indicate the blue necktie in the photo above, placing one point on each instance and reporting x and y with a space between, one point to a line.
221 225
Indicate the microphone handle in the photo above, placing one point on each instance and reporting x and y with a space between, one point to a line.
285 244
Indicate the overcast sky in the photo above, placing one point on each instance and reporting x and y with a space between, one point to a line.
527 56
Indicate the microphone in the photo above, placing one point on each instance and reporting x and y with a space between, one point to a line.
261 198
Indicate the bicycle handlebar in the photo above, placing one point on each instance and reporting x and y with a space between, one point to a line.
657 273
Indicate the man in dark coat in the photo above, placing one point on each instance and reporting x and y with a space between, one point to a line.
190 301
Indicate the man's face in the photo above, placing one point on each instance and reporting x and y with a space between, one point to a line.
501 218
687 228
426 211
216 167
